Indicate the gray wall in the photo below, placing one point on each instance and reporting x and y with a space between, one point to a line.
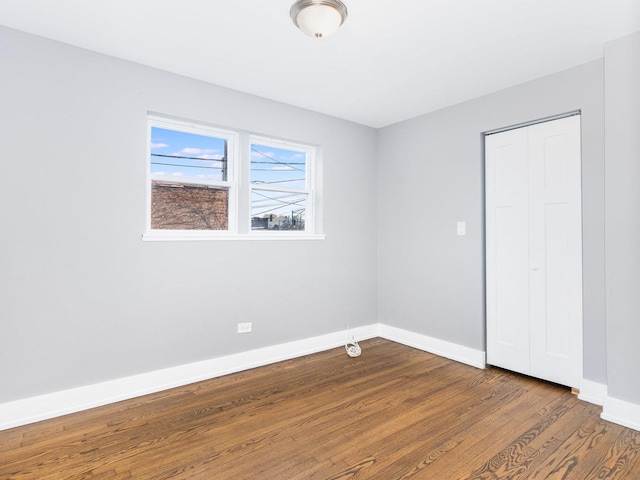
82 298
622 94
430 175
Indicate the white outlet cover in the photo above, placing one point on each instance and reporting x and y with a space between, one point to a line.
245 327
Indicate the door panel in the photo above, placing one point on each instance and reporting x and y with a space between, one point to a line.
507 268
505 265
556 281
555 245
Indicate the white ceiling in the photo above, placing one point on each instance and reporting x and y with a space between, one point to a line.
390 61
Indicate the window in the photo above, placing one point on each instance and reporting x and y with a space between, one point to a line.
198 188
191 177
281 194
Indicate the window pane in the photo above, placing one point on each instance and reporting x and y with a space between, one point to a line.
187 157
278 167
188 207
278 210
182 167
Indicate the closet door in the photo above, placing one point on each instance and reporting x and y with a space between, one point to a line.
534 250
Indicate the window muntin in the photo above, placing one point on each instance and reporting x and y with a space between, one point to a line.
190 177
281 186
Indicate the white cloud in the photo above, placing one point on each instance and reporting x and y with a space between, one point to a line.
199 151
155 146
191 151
177 174
208 156
284 168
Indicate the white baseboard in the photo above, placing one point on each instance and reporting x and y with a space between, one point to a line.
459 353
621 412
592 392
44 407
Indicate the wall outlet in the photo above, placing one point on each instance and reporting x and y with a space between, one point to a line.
244 327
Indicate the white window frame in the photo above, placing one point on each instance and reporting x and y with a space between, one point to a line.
230 184
309 189
238 185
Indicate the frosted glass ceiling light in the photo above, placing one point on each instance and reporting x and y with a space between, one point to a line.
318 18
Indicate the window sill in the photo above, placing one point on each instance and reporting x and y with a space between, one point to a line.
206 236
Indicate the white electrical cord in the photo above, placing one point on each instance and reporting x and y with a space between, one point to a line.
352 348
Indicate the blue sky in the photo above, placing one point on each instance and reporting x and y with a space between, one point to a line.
203 154
186 156
180 155
277 167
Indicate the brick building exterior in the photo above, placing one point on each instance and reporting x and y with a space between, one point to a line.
188 207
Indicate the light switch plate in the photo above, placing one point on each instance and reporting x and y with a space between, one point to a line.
462 228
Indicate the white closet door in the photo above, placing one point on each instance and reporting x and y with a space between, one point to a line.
534 250
555 249
507 250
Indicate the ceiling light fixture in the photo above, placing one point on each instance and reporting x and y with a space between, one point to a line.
318 18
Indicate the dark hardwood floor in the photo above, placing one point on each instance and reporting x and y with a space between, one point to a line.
392 413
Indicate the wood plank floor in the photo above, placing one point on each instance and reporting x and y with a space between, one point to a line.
392 413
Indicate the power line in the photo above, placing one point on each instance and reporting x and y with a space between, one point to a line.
280 203
276 160
185 166
266 170
223 159
277 163
276 208
277 181
286 194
